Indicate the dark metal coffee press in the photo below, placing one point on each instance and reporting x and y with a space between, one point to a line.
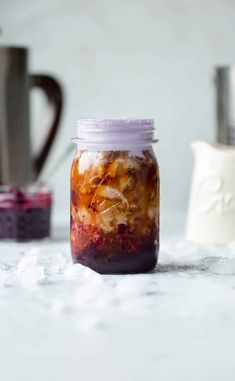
17 166
24 205
225 104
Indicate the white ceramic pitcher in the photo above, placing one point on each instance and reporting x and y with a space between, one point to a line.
211 214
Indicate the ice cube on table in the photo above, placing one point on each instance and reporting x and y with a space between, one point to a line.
29 271
57 262
224 266
77 272
74 272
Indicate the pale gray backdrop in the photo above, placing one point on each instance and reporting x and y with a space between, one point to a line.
116 58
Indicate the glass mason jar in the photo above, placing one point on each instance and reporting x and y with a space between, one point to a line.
115 196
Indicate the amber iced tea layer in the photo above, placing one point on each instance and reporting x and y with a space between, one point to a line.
115 211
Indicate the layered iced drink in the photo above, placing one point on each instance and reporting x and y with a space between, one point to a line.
115 210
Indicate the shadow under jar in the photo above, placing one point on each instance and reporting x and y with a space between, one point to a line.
115 196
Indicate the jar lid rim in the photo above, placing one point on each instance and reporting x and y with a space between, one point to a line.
116 123
115 133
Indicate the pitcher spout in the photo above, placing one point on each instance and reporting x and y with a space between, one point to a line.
200 145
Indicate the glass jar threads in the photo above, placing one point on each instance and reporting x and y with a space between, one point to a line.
115 196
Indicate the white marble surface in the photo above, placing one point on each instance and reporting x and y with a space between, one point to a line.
60 321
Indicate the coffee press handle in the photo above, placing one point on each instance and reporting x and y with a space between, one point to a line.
54 95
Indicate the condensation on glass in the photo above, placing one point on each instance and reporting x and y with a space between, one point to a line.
115 196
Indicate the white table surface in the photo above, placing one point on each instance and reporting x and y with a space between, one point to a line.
60 322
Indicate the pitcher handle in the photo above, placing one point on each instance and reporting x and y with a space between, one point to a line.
54 94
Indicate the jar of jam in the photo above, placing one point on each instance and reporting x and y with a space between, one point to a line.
25 213
115 196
